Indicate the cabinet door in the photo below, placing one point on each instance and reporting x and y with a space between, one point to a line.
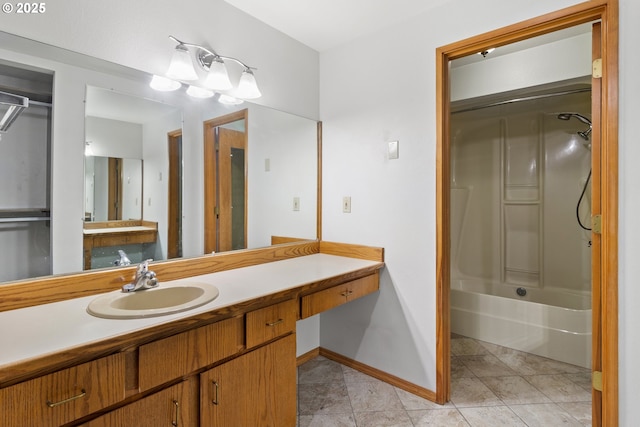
255 389
175 406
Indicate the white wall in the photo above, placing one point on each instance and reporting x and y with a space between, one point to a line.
394 200
113 138
156 174
289 143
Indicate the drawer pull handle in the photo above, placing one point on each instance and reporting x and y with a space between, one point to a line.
346 293
215 392
51 404
277 322
175 423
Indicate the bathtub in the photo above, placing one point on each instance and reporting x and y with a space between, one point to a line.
553 324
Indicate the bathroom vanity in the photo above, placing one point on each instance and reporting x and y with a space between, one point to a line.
230 362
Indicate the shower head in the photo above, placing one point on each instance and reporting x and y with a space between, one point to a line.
584 134
567 116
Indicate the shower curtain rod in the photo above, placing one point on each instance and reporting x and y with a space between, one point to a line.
524 98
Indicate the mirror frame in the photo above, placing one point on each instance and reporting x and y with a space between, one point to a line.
606 261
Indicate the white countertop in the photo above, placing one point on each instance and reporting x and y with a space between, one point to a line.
51 328
106 230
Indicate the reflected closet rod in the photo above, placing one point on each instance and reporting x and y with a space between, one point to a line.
41 104
524 98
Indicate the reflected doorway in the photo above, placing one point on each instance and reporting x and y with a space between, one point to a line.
174 238
225 167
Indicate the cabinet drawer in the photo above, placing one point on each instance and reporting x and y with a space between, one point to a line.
332 297
270 322
66 395
179 355
174 406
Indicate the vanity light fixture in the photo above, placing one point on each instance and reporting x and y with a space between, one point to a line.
182 69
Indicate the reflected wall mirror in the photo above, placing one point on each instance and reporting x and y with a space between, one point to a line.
172 155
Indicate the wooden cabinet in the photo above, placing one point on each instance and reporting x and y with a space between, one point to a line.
326 299
255 389
240 371
64 396
175 406
271 322
179 355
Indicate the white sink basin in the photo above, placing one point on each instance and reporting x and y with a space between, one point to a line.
165 299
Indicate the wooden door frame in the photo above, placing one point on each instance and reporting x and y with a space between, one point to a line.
174 195
607 12
229 139
114 194
210 187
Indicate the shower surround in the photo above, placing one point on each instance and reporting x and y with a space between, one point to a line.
517 175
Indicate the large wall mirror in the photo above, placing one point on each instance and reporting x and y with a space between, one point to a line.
138 160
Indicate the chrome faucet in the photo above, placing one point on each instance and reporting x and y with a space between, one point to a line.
123 260
144 279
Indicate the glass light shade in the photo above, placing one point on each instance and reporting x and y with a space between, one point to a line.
218 78
229 100
164 84
247 87
198 92
181 67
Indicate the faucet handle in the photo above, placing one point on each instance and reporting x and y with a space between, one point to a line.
143 267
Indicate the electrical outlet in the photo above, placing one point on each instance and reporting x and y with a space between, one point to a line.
346 204
296 204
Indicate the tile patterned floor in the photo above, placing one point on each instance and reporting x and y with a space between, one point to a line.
491 386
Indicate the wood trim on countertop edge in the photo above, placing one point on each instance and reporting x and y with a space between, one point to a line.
44 290
371 253
378 374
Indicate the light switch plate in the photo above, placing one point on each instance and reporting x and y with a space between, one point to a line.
296 204
346 204
393 149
